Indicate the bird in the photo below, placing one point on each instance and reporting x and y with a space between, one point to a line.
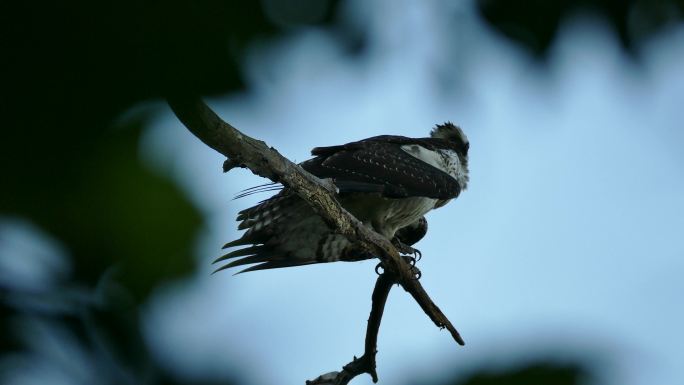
388 182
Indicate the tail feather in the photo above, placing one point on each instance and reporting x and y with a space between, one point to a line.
285 197
275 265
282 231
256 258
265 257
250 238
278 208
240 252
262 219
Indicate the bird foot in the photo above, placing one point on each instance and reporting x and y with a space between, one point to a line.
405 249
409 259
380 267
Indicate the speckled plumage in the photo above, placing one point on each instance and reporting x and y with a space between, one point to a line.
387 182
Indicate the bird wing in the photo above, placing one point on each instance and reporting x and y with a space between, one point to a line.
380 165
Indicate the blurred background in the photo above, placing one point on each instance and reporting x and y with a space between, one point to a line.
561 264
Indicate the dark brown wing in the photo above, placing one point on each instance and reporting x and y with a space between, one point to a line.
380 165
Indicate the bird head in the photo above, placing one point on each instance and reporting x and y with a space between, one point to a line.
453 134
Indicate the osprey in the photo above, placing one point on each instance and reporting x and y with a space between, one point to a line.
387 182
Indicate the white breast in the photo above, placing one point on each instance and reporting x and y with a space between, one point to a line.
403 212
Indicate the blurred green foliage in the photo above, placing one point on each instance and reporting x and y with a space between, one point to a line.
108 208
73 68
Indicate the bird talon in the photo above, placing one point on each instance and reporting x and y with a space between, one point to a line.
410 260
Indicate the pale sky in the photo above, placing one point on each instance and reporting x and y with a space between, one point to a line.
567 243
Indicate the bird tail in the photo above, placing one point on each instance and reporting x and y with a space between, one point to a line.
283 231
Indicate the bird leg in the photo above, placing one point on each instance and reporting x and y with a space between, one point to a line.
405 249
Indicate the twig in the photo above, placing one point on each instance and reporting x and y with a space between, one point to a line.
245 151
365 363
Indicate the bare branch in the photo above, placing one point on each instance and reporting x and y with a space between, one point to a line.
244 151
365 363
